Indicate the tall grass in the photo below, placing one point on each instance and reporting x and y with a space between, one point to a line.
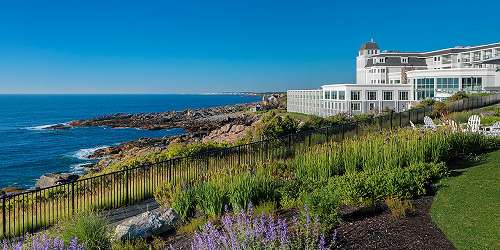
387 150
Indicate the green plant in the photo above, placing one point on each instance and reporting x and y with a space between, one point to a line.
90 229
399 208
212 197
163 194
322 203
266 208
184 202
138 244
192 226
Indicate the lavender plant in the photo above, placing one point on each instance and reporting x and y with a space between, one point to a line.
42 242
245 230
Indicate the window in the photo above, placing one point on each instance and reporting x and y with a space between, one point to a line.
371 106
372 95
404 59
472 83
355 95
382 70
447 84
387 95
334 95
424 88
327 94
341 95
382 81
397 81
356 106
403 95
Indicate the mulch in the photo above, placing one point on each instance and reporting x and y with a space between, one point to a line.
373 229
379 230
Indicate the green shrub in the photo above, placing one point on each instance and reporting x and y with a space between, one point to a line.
163 194
139 244
272 125
267 208
399 208
246 188
184 202
457 96
322 203
212 197
90 229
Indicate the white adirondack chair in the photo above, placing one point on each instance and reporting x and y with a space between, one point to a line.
494 129
473 123
413 126
428 123
454 126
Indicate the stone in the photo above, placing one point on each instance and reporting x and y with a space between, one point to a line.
10 191
49 180
147 224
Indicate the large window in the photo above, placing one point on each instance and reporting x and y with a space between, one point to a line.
356 106
424 88
403 95
447 84
372 95
355 95
341 95
334 95
387 95
472 83
327 94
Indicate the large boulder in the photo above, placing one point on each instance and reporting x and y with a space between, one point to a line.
50 180
147 224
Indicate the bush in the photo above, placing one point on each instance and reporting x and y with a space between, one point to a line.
399 208
164 194
139 244
440 109
41 241
184 202
458 96
272 125
212 198
89 228
322 203
246 188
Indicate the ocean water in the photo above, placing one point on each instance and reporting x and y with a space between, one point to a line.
28 151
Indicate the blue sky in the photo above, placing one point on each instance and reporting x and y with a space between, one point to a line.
211 46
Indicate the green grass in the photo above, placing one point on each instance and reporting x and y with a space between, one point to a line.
467 207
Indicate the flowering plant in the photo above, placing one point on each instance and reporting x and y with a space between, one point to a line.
247 231
42 242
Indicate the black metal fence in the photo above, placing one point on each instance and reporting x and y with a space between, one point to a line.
36 209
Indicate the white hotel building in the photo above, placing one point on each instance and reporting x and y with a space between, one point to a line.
387 80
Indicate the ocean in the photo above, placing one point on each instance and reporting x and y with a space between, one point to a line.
27 150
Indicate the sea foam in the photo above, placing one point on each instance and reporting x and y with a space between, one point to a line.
43 127
84 154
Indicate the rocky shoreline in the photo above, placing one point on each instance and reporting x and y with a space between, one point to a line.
222 124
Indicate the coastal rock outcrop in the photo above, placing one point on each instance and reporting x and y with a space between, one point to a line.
49 180
147 224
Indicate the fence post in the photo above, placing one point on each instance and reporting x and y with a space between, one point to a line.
127 199
73 198
4 218
239 155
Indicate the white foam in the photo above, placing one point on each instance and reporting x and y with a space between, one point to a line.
79 168
42 127
83 154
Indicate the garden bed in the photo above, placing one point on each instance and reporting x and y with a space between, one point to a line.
379 230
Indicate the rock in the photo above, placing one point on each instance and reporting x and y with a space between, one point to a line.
10 190
49 180
147 224
60 127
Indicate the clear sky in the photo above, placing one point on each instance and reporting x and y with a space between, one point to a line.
210 46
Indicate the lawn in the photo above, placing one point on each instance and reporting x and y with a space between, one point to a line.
467 206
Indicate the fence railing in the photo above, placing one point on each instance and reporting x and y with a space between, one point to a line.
36 209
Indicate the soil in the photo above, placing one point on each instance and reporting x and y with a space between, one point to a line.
379 230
